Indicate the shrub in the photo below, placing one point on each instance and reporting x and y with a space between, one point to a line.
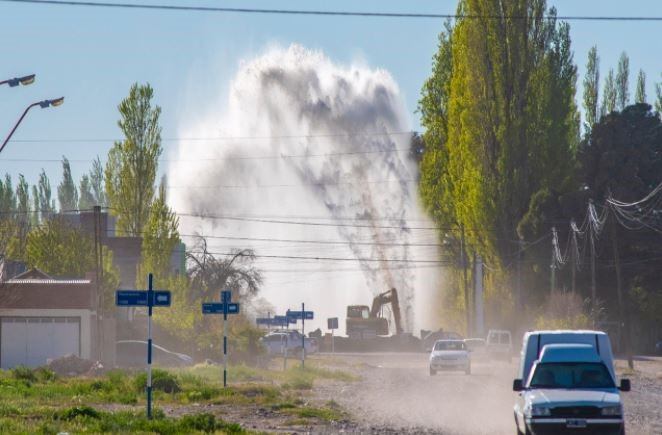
24 373
77 411
161 381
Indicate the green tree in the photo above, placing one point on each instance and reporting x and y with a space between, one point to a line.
500 120
658 94
160 238
623 81
66 192
609 95
86 198
64 251
44 202
132 163
591 84
640 95
97 183
7 196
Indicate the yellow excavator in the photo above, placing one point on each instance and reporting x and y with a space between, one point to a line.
365 322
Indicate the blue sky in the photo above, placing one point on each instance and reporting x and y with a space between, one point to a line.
92 56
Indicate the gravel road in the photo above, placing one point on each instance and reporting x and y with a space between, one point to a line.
397 395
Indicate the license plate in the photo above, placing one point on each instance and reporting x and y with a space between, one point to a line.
575 423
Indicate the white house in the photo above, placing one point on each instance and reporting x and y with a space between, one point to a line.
43 318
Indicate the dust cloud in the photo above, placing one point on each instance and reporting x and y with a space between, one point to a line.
299 138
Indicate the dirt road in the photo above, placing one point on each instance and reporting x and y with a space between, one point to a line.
397 395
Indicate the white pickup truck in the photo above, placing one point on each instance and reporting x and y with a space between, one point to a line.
569 387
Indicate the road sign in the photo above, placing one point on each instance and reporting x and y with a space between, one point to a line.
139 298
332 323
286 320
219 308
272 321
224 307
150 298
300 315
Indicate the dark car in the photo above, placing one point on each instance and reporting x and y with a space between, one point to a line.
133 353
658 348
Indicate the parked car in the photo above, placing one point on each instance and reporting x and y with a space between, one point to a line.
658 347
477 347
499 344
450 355
133 353
281 341
570 389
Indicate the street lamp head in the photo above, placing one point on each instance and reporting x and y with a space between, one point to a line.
25 80
54 103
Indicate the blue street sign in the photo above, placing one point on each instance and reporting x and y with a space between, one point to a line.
138 298
226 296
298 315
285 320
271 321
219 308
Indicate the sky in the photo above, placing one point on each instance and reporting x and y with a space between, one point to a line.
91 56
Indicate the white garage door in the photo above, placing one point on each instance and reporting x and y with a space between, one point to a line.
30 341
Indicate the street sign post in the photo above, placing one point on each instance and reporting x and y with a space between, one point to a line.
150 299
332 324
302 315
225 307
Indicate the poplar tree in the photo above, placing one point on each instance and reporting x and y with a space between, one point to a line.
132 163
609 95
622 81
640 94
500 117
67 193
591 83
97 183
86 199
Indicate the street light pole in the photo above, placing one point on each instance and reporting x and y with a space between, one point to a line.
43 104
25 80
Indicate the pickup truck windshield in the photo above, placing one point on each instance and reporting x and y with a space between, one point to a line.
449 345
571 375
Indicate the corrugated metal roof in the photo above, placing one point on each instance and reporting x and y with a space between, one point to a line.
47 281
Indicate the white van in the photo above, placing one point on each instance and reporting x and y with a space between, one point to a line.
569 390
499 344
535 341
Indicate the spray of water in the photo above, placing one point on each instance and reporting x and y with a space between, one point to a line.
304 139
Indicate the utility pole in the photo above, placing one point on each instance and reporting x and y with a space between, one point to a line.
518 296
574 258
622 308
98 250
593 289
553 265
463 257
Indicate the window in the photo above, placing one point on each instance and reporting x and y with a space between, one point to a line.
449 345
571 375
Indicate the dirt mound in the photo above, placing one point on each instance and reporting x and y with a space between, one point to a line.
71 365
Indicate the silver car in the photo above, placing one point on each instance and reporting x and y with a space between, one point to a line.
450 355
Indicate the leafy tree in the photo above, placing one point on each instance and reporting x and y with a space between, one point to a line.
609 95
132 163
66 192
658 94
500 119
622 81
86 199
7 196
43 202
62 250
161 237
591 83
97 183
640 95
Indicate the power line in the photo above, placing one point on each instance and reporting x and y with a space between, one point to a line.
270 186
344 13
322 258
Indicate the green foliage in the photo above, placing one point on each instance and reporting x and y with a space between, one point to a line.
609 95
623 82
66 191
161 381
500 120
86 200
24 373
161 237
77 411
97 183
591 88
132 163
640 94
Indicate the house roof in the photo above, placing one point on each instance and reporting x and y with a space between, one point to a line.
33 273
36 276
35 289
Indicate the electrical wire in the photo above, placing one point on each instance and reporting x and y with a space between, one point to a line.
337 13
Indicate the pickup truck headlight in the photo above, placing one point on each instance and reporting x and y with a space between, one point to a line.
538 411
612 411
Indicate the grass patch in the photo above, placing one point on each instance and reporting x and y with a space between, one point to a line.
161 381
325 414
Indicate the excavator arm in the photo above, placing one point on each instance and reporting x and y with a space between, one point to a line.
382 299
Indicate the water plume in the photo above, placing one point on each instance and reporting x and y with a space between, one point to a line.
303 139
